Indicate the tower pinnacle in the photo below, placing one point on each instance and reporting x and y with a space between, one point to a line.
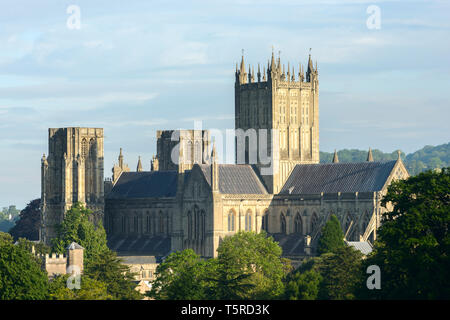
335 157
139 165
370 156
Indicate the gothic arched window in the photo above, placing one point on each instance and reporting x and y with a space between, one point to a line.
92 148
314 222
248 221
84 148
189 223
161 222
265 221
282 223
298 225
202 224
197 152
196 222
231 220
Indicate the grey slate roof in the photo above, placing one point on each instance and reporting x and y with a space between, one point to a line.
338 177
292 244
133 245
74 246
153 184
362 246
138 259
235 179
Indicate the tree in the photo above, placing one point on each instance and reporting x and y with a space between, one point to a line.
183 276
332 237
341 274
90 289
413 243
108 269
303 285
77 227
21 276
29 221
250 267
340 271
100 263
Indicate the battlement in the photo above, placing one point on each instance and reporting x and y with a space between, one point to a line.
55 259
57 264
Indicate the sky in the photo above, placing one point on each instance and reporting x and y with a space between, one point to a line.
135 67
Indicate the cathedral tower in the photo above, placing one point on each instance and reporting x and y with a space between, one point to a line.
72 172
287 106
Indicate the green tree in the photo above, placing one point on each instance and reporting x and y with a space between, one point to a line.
108 269
27 226
249 266
39 248
412 247
303 285
332 237
21 277
183 276
89 289
341 273
77 227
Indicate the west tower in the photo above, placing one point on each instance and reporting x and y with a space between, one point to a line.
284 103
72 172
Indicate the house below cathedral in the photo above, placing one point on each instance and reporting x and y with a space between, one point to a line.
189 200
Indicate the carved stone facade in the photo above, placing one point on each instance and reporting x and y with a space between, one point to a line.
287 107
72 172
189 200
185 147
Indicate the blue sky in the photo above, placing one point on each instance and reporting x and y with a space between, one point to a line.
138 66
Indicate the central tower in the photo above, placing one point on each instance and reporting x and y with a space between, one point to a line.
284 103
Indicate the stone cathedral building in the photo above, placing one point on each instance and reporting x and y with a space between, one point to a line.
189 200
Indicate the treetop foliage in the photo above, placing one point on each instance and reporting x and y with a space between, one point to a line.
413 243
78 227
27 226
332 236
21 276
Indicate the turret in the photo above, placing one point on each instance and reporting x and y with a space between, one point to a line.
121 159
154 164
272 63
335 157
75 261
119 168
310 71
139 165
369 156
259 74
242 75
214 171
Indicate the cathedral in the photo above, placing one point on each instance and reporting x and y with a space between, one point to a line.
190 200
